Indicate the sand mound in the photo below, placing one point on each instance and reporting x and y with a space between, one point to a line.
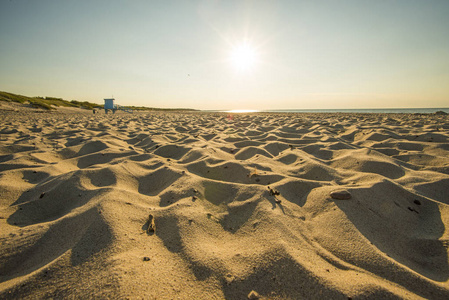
239 204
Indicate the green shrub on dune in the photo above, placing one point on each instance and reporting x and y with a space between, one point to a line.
50 103
47 103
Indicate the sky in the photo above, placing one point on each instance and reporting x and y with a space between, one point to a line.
334 54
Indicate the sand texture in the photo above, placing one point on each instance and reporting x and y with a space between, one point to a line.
213 206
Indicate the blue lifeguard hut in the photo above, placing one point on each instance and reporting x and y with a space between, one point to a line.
110 105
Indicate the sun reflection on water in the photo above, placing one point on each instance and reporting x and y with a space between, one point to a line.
238 111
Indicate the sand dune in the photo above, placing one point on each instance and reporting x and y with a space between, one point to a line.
241 205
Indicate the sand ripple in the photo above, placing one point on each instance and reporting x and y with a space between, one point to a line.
76 191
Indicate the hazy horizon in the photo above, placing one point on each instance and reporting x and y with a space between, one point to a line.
213 55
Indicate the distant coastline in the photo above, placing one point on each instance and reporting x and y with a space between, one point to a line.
355 110
50 103
372 110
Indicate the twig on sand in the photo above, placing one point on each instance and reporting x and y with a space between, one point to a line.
151 225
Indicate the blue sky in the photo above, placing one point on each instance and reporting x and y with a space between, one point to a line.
308 54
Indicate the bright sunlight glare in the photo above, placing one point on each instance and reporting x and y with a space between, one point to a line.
238 111
243 56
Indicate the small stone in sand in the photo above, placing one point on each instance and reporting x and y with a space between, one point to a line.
194 198
229 279
253 295
341 195
146 258
42 195
417 202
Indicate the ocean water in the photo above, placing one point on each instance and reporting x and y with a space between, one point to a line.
377 110
359 110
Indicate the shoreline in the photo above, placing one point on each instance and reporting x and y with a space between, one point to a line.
13 106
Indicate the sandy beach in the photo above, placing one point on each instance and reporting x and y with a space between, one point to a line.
223 206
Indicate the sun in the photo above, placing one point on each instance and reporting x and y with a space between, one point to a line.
243 56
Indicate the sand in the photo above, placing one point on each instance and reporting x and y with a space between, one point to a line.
241 205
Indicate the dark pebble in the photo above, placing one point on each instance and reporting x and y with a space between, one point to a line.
146 258
341 195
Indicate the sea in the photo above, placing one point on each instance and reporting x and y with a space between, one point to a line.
356 110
